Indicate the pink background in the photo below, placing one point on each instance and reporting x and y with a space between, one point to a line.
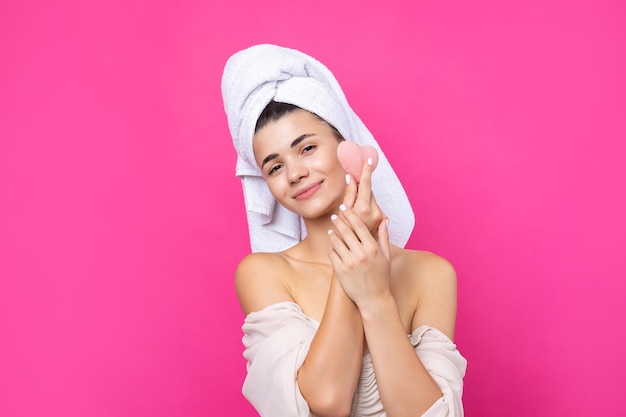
122 222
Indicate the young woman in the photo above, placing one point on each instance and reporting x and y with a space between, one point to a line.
343 322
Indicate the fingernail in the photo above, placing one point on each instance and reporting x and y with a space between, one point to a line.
347 178
330 231
386 223
370 162
343 207
333 217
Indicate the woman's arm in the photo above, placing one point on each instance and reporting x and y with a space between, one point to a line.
363 265
405 385
328 377
330 373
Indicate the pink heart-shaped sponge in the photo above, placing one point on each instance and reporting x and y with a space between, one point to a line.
352 157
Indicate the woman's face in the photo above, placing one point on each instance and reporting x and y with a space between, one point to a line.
298 157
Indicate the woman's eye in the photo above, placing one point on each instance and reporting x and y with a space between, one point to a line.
274 169
308 148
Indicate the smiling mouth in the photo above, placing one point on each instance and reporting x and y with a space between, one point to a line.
308 192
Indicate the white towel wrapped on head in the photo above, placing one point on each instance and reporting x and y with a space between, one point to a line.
263 73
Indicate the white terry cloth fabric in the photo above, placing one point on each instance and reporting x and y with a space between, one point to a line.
277 340
255 76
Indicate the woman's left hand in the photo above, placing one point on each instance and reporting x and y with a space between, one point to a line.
361 261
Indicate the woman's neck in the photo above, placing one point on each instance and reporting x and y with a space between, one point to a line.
315 246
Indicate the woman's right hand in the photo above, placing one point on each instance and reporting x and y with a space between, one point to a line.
360 198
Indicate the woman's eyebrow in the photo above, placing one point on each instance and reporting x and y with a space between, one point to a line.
293 144
300 139
269 158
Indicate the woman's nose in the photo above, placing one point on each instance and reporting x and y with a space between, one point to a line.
297 171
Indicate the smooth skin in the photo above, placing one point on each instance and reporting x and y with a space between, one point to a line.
367 294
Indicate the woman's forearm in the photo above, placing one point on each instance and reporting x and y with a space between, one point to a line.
330 372
406 388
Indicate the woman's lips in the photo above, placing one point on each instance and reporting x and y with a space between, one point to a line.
308 192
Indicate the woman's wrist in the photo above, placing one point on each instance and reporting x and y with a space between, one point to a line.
378 308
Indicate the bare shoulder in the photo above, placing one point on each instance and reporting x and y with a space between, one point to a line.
432 282
260 281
